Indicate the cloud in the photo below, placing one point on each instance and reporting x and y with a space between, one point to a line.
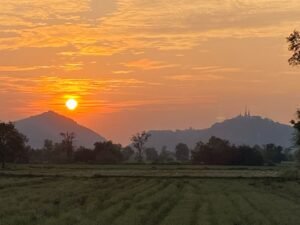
147 64
122 71
216 69
46 11
72 66
207 77
21 69
58 86
164 25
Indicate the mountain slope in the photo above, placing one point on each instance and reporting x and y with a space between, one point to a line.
250 130
49 125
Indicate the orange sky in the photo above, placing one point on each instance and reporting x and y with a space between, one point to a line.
141 64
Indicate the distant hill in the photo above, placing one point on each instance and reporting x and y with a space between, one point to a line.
250 130
49 125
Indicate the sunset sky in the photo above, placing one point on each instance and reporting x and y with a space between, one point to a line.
136 65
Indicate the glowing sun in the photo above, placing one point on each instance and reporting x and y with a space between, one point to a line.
71 104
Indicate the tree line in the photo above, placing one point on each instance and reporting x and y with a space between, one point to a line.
14 149
221 152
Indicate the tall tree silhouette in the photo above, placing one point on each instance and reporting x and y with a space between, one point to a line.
138 141
294 46
12 143
67 143
296 125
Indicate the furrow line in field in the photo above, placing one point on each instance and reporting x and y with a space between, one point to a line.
149 191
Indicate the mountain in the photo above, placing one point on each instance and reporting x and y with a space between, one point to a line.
249 130
49 125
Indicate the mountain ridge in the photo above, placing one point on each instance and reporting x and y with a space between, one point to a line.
49 125
249 130
239 130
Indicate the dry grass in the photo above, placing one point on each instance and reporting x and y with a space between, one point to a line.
75 198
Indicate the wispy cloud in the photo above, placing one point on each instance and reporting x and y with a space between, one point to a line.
217 69
207 77
139 25
21 69
147 64
58 86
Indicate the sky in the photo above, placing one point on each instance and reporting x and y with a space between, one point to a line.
138 65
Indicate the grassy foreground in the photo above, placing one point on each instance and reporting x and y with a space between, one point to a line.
54 195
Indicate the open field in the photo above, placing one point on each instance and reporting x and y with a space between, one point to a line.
132 170
101 195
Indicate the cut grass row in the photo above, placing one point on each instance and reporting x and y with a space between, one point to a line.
148 201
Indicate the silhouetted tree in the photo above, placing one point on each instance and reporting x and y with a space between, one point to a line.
48 145
59 154
296 125
138 141
273 153
221 152
127 153
12 144
107 152
165 156
151 154
249 156
182 152
84 155
201 154
67 144
47 152
289 156
294 46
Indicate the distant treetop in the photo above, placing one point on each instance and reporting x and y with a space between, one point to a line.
294 46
